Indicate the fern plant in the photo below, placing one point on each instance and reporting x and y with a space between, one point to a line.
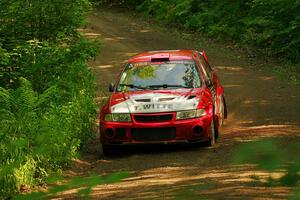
37 135
18 121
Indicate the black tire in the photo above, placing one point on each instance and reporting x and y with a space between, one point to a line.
223 113
219 122
212 140
108 150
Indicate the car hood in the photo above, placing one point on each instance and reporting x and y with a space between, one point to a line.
155 101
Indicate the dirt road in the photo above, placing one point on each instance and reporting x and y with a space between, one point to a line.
259 106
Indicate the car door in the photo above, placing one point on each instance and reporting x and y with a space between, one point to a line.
208 76
215 88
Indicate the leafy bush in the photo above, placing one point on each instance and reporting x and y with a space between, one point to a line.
42 132
122 3
47 107
23 20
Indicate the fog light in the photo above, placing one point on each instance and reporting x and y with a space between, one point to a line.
110 133
198 130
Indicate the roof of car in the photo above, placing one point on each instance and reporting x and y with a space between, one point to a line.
163 54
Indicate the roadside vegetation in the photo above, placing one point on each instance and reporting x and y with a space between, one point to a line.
266 29
47 92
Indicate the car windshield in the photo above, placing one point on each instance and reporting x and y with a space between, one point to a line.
159 75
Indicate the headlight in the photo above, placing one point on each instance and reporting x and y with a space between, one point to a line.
190 114
118 117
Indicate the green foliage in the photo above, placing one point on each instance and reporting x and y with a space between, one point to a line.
24 20
118 3
36 139
262 154
4 56
46 128
269 155
47 107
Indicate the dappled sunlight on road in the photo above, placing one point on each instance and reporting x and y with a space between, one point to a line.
231 86
104 66
258 98
130 54
89 33
114 39
145 31
257 102
246 132
214 182
92 35
266 78
203 175
229 68
211 183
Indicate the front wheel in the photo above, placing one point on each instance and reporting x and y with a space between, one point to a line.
212 140
222 113
220 120
108 150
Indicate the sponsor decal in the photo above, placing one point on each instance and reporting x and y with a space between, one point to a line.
153 107
170 103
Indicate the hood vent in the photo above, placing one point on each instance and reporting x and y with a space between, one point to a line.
191 97
143 100
166 99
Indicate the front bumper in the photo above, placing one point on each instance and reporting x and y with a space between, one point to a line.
170 131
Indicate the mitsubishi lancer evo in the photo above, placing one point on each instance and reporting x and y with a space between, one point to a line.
163 97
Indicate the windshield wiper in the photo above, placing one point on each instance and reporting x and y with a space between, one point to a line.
133 86
167 86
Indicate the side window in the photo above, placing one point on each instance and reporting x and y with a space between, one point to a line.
206 65
205 73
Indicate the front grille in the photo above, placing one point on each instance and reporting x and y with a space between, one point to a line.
153 134
120 133
153 118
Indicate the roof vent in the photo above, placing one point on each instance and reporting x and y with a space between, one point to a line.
163 57
160 60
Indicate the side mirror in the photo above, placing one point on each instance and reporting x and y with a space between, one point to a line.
111 87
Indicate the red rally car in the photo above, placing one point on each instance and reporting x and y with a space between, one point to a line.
164 97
